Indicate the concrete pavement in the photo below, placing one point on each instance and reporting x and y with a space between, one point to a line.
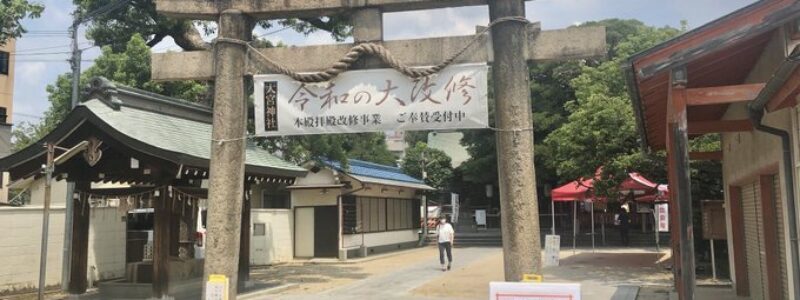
398 283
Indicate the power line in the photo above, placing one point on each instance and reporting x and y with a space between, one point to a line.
274 31
26 115
46 31
50 47
39 53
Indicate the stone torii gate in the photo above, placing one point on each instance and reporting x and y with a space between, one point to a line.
513 44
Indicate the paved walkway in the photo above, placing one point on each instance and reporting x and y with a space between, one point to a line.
398 283
417 276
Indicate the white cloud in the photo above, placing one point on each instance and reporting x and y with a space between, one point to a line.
434 23
29 72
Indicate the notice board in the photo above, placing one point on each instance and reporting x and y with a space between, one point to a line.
714 220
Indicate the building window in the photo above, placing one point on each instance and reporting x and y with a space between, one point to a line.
259 229
367 214
275 198
5 59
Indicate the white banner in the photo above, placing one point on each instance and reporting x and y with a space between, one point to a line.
372 100
662 217
533 291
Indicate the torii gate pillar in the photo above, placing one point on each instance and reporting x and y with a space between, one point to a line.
226 177
519 208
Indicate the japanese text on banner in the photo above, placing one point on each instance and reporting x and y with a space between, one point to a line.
372 100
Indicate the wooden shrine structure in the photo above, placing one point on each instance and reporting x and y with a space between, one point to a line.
159 146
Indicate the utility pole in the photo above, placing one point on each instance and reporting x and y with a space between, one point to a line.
75 62
69 203
226 178
424 239
48 171
518 202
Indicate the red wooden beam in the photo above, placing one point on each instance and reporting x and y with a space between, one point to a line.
716 155
723 94
680 185
703 127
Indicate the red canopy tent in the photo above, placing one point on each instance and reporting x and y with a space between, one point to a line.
581 190
578 190
573 191
662 194
637 182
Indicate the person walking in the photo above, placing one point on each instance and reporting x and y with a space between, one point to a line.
446 236
624 222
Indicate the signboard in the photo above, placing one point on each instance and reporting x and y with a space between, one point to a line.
644 208
713 220
534 291
454 201
552 248
480 217
217 287
371 101
662 215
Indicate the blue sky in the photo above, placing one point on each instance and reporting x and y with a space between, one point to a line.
34 70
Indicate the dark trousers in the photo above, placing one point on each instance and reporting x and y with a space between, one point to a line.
447 246
623 231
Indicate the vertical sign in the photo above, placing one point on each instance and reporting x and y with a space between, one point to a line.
662 215
270 106
454 201
217 287
552 249
480 217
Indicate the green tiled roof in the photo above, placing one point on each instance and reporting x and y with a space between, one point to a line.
175 134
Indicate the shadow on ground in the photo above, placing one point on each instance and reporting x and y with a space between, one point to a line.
306 273
612 268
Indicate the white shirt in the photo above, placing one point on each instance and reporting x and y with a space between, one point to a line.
446 232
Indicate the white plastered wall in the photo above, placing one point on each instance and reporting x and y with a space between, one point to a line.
20 244
277 243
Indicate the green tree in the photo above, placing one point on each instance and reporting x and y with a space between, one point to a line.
130 68
601 130
139 16
340 147
438 167
12 12
551 92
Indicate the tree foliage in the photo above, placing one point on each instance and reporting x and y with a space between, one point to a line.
552 91
437 165
368 146
601 130
125 35
140 17
12 12
130 68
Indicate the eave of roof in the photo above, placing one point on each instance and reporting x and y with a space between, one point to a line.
147 132
368 172
372 180
752 20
